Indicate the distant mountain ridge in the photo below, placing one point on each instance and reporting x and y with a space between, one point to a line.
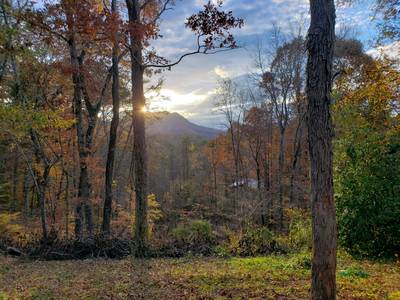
174 124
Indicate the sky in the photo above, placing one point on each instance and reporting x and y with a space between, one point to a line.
189 88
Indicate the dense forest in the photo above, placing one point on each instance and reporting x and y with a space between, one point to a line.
300 180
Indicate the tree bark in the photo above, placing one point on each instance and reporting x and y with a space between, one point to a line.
139 142
320 47
27 187
266 216
14 203
84 184
84 140
281 165
41 181
215 183
236 154
296 157
113 134
66 205
297 143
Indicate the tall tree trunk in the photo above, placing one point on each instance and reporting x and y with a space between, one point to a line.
83 183
43 215
44 180
139 142
260 191
84 141
85 188
296 157
14 203
215 183
113 133
258 173
266 216
281 165
41 181
66 205
236 163
320 47
27 187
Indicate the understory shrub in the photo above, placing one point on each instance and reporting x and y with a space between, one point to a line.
252 241
197 237
9 228
368 194
299 235
197 232
367 169
262 241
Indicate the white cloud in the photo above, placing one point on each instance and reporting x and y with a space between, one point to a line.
190 85
391 51
221 72
175 101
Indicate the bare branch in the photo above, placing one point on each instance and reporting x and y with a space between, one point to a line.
198 51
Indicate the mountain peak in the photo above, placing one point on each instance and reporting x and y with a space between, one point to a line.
174 124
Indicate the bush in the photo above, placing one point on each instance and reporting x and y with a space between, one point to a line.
262 241
222 251
367 168
253 241
368 196
198 232
299 236
8 224
195 238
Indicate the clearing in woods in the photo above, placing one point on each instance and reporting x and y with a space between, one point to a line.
272 277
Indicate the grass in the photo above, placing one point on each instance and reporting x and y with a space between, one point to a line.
272 277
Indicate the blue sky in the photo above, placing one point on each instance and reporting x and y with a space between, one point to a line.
190 85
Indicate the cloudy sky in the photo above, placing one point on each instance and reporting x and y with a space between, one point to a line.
188 88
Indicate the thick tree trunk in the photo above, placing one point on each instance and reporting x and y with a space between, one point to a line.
139 142
79 220
320 47
84 140
84 184
113 136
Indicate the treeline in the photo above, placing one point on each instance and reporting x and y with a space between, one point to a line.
67 68
257 173
76 165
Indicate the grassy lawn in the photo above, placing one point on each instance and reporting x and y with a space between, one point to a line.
272 277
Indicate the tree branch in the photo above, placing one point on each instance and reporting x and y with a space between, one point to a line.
198 51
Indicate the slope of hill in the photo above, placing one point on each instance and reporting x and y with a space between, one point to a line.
174 124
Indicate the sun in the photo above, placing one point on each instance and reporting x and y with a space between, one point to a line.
144 109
